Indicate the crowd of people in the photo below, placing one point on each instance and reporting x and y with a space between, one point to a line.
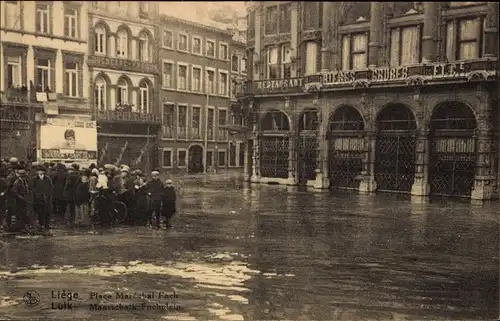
33 196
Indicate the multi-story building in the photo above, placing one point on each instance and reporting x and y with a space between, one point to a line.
44 74
195 64
376 96
238 122
123 67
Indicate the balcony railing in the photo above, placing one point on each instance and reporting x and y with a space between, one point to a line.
122 64
132 117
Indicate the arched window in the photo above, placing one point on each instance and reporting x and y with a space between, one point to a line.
143 47
144 98
122 93
100 40
100 94
122 44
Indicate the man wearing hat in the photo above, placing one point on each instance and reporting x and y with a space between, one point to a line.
43 191
19 196
155 188
169 198
69 192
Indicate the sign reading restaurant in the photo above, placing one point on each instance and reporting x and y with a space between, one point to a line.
430 72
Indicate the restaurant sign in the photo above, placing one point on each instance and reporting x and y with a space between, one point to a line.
279 84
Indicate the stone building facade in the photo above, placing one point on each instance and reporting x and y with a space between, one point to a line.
195 95
382 96
122 60
43 46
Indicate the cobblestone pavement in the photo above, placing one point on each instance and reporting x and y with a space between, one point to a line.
249 252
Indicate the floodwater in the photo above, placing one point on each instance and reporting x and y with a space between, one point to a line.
250 252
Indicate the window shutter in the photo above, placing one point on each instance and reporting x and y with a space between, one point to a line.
345 52
66 26
450 41
66 83
394 54
52 76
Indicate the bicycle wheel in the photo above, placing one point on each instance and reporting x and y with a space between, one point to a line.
119 212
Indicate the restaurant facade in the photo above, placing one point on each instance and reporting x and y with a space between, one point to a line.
372 101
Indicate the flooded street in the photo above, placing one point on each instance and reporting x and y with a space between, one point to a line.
250 252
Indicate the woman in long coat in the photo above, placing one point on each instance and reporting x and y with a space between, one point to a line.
169 199
141 208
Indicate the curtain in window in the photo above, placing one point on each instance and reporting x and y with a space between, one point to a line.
359 46
395 47
410 38
272 56
450 41
469 33
311 57
345 53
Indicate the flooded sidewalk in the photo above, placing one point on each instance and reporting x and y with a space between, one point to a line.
250 252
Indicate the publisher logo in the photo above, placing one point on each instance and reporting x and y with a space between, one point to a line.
31 298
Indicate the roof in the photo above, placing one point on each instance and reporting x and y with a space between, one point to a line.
197 24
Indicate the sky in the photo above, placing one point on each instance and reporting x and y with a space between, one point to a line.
203 12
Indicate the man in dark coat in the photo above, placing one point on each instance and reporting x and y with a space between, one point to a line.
69 191
3 194
169 199
17 215
42 189
155 192
59 178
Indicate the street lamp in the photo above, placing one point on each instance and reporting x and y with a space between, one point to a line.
216 160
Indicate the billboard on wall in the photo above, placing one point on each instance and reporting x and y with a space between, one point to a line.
72 140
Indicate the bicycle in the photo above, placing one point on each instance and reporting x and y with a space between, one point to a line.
118 210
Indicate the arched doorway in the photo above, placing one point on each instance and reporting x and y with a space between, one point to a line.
453 150
345 147
395 149
274 145
195 159
307 145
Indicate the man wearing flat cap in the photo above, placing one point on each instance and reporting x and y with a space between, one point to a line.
43 191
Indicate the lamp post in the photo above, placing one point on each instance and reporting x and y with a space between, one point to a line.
216 158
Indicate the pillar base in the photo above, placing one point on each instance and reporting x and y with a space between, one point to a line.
291 180
420 187
321 181
367 185
254 179
483 189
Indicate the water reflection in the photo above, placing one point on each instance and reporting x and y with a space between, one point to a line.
241 251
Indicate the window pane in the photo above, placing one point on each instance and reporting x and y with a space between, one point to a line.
273 56
395 47
285 18
469 29
358 43
359 61
312 55
167 38
410 39
345 53
468 50
286 54
234 63
167 158
450 41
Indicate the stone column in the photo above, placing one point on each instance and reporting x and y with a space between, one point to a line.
485 176
246 173
111 46
321 180
326 50
376 33
294 40
420 185
258 36
368 183
59 67
255 150
430 33
491 30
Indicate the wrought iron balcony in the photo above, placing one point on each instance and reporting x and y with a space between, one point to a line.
122 64
127 116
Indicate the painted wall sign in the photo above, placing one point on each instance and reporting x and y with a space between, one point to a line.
386 74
